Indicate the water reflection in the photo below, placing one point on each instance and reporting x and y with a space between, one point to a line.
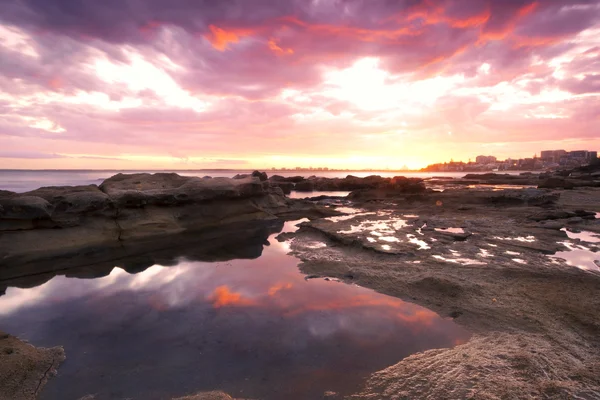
304 195
254 328
579 256
584 236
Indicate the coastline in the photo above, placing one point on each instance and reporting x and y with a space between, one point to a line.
534 321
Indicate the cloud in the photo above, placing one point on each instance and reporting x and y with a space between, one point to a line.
28 155
244 82
223 297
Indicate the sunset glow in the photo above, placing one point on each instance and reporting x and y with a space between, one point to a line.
346 84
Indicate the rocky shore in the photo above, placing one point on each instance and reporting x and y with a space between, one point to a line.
481 257
24 369
131 214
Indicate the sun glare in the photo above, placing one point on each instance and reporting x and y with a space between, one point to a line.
369 87
141 75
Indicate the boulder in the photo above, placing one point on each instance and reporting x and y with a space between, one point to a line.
25 208
391 187
286 187
74 199
260 175
132 209
556 183
293 179
139 190
305 186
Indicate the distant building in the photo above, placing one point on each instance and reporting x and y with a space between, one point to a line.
485 159
552 155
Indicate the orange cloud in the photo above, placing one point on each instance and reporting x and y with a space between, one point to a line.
406 310
476 20
223 296
528 9
510 27
273 46
435 15
221 38
273 290
361 34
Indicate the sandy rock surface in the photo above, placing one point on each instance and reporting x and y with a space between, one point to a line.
24 369
484 259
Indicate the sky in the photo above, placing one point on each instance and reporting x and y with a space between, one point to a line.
190 84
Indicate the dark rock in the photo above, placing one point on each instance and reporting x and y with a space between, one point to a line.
556 183
73 199
305 186
388 188
260 175
163 189
293 179
134 208
286 187
25 208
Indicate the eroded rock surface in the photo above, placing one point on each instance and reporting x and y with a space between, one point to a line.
24 369
484 259
55 222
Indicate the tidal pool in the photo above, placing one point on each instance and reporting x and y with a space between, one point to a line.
303 195
254 328
579 256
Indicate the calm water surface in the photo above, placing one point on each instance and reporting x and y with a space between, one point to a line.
253 328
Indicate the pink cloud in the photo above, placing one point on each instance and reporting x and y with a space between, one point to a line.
241 81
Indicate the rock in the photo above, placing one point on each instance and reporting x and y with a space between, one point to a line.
552 215
139 190
216 395
286 187
25 208
135 208
530 196
74 199
556 183
293 179
260 175
241 176
24 369
389 188
305 186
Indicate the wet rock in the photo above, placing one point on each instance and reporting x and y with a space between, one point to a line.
134 207
556 183
305 186
286 187
216 395
503 179
390 188
262 176
292 179
529 197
